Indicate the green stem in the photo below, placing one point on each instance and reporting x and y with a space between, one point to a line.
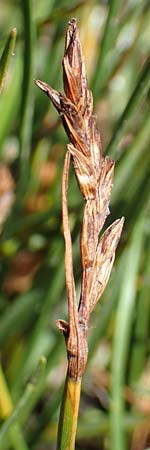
69 415
6 55
27 101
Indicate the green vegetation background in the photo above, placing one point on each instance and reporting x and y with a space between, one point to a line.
115 403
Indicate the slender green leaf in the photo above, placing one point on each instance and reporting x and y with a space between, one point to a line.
6 55
123 328
21 411
140 91
27 102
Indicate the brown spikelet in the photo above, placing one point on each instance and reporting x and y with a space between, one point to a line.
95 178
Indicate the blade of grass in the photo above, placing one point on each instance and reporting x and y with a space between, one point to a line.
18 315
138 94
6 408
52 362
136 150
47 414
53 293
117 56
50 298
27 102
17 439
25 405
22 223
94 423
9 102
61 12
122 335
34 390
140 180
54 76
108 41
43 9
122 58
6 56
141 334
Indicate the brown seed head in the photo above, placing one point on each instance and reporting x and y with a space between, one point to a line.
95 178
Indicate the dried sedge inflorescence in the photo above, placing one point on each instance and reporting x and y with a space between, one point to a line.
95 177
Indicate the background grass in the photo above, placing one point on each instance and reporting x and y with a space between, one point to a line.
115 403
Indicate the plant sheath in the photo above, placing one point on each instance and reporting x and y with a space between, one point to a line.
69 414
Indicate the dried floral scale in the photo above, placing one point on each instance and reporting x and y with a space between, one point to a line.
94 174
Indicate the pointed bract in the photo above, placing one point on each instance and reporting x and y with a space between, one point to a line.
104 260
